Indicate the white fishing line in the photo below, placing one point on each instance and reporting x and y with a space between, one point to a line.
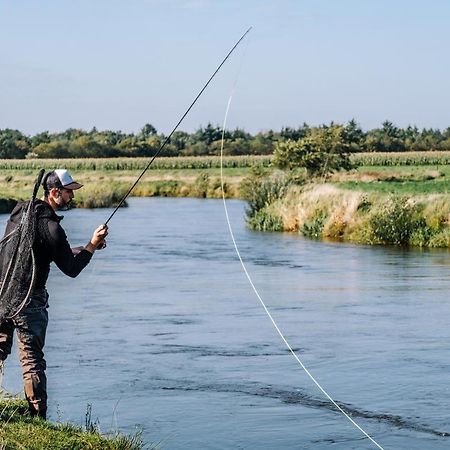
261 300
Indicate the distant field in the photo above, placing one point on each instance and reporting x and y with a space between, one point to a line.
106 180
113 164
401 159
404 180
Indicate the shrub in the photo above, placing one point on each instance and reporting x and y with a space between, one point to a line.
396 221
314 227
441 239
201 185
261 190
265 220
322 151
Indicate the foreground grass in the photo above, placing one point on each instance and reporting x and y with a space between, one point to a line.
18 431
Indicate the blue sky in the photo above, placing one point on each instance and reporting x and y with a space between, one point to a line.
118 64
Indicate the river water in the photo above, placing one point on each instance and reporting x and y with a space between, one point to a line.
162 333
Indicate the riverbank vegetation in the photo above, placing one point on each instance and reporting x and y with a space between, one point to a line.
318 191
326 163
19 431
326 211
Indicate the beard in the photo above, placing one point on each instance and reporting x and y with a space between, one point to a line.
63 205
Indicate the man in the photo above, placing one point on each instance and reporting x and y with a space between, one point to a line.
50 245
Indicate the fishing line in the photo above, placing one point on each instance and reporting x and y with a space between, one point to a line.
305 369
167 139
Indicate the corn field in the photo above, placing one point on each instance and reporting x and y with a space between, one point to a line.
401 159
163 163
213 162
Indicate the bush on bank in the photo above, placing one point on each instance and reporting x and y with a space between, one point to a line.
261 189
324 211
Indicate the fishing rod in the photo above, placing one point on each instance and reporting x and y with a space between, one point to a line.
166 140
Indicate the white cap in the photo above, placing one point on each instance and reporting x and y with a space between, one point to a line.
61 178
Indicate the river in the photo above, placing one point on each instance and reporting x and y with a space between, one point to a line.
162 333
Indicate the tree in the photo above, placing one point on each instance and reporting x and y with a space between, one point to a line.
13 144
54 149
207 135
40 138
179 140
70 134
390 130
88 147
322 151
147 131
355 136
386 139
294 133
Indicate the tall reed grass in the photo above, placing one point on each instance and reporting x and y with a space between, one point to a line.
325 211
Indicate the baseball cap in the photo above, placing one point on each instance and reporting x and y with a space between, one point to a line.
60 178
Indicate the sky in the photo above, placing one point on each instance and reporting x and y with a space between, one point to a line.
117 64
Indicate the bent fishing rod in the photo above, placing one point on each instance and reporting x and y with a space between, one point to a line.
167 139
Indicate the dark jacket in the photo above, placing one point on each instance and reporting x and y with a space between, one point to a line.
50 244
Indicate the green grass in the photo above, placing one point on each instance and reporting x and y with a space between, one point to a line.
399 187
19 431
404 180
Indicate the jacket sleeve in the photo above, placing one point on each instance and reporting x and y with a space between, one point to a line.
69 263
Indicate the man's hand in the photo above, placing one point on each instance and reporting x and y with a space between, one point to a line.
98 239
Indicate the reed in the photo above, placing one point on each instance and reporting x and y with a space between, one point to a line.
326 211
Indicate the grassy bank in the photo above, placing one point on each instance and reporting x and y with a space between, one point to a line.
330 212
19 431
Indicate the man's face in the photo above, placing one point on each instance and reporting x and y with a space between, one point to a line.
64 198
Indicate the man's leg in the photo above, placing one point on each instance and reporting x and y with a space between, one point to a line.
6 339
31 326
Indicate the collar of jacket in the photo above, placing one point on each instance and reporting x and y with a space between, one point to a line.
45 211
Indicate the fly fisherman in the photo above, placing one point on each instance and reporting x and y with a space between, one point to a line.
50 245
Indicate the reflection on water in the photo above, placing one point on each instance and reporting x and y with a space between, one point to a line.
163 333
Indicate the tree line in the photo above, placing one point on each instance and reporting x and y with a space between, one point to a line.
348 138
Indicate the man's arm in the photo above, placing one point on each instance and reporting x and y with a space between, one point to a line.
67 261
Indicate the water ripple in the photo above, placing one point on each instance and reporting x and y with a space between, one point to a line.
299 397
